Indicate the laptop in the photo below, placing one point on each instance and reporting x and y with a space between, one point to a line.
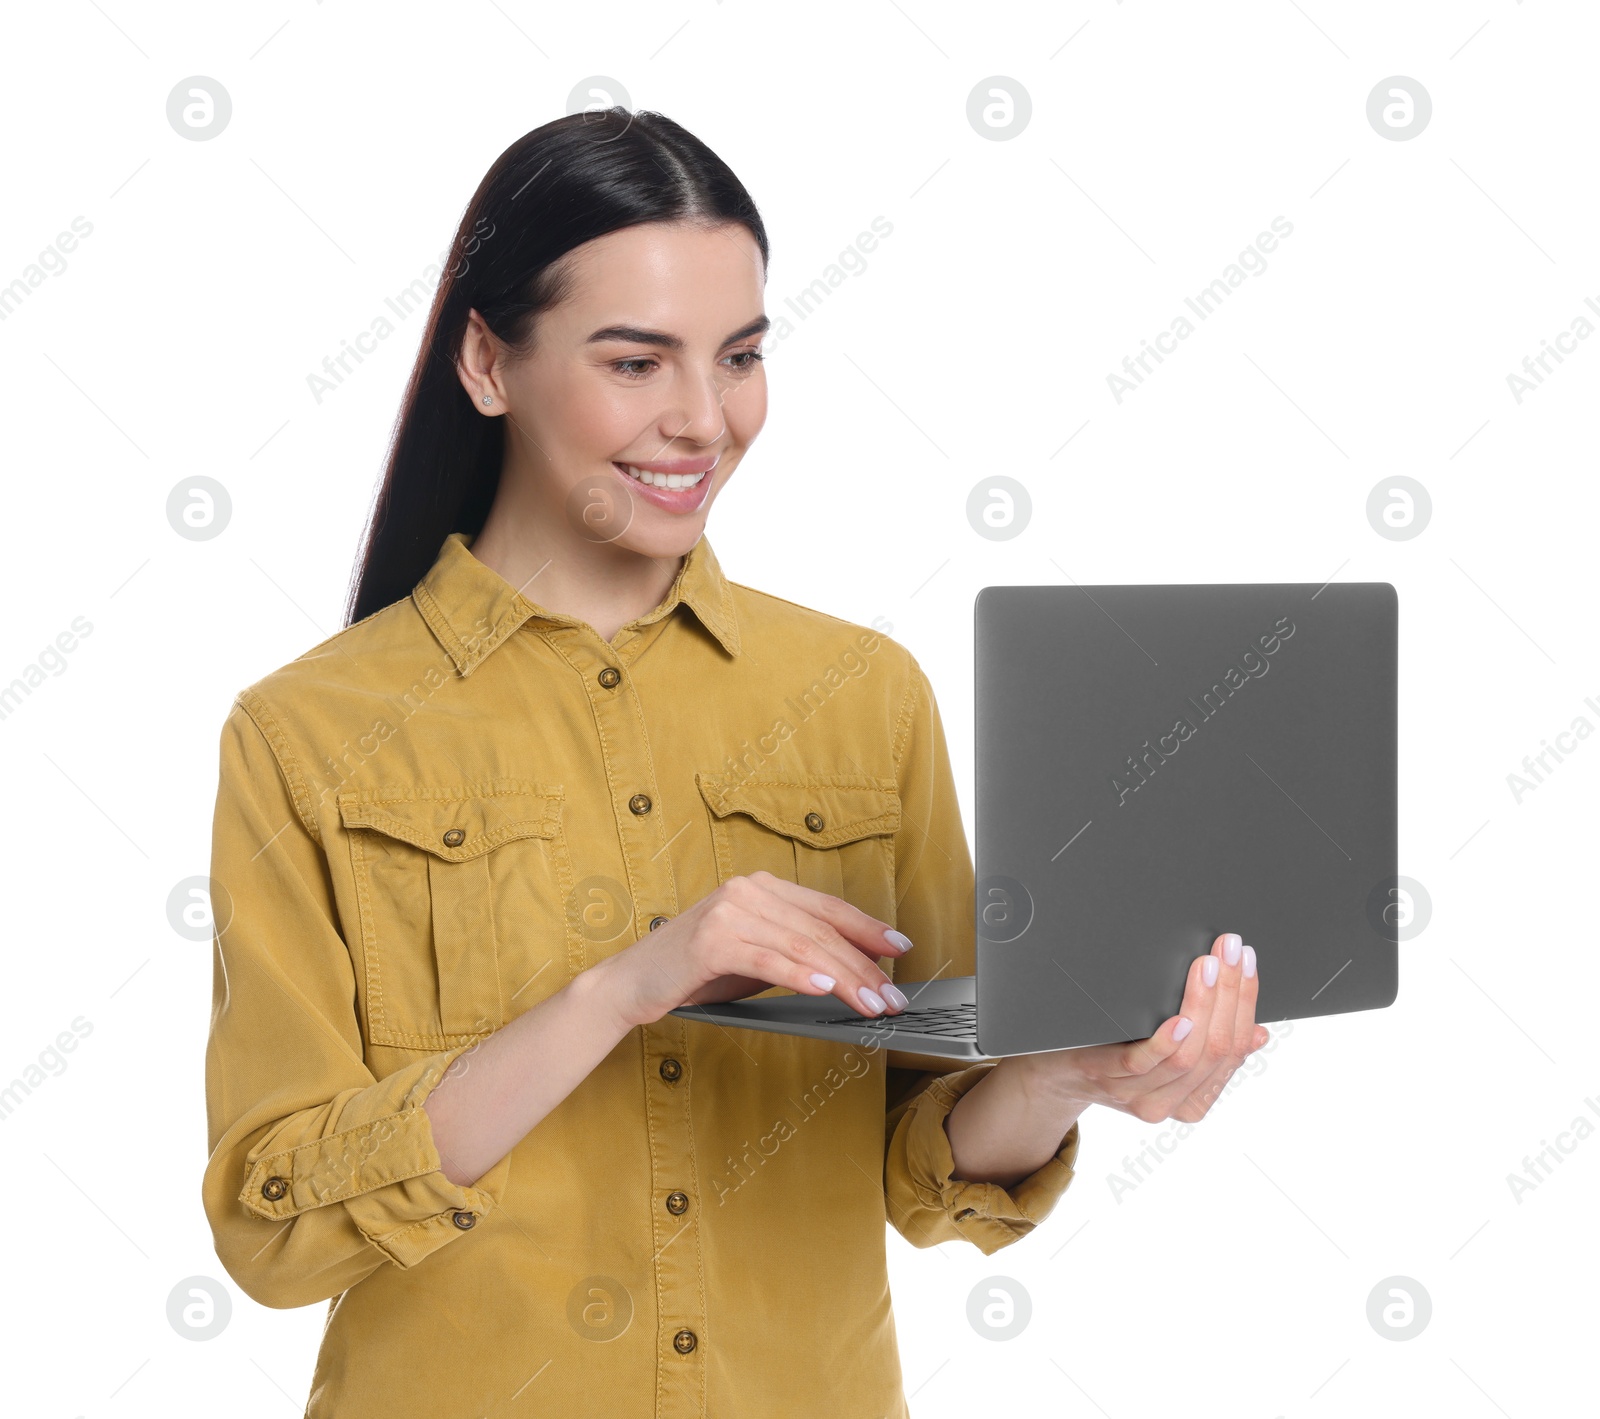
1155 765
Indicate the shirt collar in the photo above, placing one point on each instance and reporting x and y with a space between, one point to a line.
471 608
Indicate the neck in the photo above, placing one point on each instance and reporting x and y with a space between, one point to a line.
533 548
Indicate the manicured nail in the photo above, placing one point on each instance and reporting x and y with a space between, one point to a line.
1209 969
898 939
871 999
821 981
1249 960
894 997
1182 1028
1230 948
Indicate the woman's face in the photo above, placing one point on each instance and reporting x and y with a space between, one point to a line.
652 363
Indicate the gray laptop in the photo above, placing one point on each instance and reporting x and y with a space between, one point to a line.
1156 765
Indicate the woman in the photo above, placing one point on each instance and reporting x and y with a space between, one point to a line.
557 777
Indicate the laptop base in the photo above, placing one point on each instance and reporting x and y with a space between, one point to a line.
941 1018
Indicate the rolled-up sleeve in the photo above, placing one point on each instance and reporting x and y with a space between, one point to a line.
927 1205
318 1172
933 888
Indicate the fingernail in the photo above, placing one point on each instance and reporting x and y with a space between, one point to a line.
1209 969
898 939
1230 948
1249 960
821 981
1182 1028
871 999
894 997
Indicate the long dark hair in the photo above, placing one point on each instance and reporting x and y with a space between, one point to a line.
563 184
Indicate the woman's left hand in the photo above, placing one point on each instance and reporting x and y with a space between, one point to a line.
1180 1071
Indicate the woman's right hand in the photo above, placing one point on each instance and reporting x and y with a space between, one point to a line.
751 933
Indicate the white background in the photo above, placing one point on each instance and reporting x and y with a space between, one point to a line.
178 339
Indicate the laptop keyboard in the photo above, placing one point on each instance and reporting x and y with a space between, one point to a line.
952 1021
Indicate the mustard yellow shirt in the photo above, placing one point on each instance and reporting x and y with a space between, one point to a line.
439 816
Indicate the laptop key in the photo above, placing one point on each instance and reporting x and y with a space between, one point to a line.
950 1021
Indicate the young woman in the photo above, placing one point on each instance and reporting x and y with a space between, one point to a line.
557 777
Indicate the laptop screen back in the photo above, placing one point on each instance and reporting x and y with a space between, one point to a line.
1160 764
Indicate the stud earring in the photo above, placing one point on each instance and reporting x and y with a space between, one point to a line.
488 399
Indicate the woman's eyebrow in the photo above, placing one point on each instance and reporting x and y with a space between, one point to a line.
633 333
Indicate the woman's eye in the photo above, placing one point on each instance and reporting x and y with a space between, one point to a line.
639 366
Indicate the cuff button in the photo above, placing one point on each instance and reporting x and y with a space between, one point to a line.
274 1188
966 1212
464 1219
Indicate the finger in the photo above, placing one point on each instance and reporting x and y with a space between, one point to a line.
1209 1090
1141 1057
786 946
814 941
1229 951
1244 1023
864 932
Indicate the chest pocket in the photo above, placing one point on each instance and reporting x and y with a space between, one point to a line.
462 895
831 832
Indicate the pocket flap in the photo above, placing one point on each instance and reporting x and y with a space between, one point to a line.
823 810
457 822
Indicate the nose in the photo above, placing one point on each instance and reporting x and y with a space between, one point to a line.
696 412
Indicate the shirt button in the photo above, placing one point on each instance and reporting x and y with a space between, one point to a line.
677 1203
463 1219
814 822
683 1342
610 677
640 804
274 1188
656 921
964 1213
454 838
671 1070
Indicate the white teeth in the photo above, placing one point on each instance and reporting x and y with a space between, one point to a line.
663 480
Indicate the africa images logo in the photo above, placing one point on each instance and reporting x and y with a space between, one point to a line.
1137 768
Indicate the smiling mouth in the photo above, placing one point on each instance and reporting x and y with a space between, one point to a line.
657 478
